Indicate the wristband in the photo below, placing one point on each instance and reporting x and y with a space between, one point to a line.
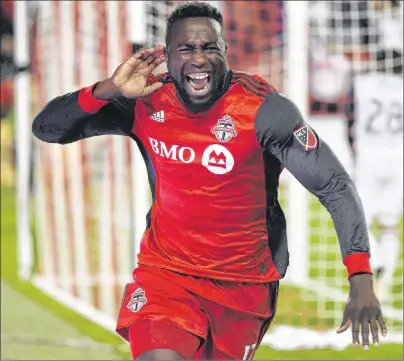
88 103
357 263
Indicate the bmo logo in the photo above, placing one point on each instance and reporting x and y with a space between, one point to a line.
216 158
183 154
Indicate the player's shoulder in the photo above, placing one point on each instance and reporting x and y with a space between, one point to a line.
277 119
253 84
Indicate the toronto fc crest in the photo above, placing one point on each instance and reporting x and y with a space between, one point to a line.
137 300
224 130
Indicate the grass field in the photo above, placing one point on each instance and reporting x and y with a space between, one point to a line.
37 327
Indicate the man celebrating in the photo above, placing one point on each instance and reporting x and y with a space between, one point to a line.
214 142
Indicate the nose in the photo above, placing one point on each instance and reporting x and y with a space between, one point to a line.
198 58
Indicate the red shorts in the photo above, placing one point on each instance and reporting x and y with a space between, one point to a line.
197 317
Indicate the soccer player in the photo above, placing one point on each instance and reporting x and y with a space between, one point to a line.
376 128
214 141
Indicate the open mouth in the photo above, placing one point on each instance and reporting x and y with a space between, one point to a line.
198 82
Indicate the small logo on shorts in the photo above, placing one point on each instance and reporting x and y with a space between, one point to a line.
138 300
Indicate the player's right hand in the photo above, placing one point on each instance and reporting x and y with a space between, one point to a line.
130 78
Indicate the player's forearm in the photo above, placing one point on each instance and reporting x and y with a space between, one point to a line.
81 115
58 119
63 119
340 198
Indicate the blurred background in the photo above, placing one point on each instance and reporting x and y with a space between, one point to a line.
72 216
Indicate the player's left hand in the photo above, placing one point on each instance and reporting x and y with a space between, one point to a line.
363 311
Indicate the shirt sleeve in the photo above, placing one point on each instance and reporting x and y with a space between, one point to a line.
281 129
79 115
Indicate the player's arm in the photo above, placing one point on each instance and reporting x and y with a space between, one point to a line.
80 114
319 171
106 108
281 129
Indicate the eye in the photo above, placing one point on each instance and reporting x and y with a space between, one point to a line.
211 48
185 50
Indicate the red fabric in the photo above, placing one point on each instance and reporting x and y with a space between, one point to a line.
88 102
357 263
147 335
225 316
222 238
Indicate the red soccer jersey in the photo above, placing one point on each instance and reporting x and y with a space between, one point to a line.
209 216
214 176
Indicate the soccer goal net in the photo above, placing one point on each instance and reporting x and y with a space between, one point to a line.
89 199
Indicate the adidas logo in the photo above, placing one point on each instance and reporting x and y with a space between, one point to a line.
158 117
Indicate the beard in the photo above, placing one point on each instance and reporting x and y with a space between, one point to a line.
196 108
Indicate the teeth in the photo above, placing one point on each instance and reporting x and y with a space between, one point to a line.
201 90
198 76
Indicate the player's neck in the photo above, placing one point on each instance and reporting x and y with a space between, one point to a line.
202 108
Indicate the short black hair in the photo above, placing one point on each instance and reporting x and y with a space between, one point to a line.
193 10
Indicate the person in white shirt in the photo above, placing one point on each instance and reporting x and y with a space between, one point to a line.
376 137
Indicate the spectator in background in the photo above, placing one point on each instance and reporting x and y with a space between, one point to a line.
7 72
6 58
389 18
376 136
9 69
7 93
